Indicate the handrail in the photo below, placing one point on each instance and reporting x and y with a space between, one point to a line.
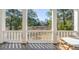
39 30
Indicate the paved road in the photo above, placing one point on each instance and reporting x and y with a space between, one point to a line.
29 46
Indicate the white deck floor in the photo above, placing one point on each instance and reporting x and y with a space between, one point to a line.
72 41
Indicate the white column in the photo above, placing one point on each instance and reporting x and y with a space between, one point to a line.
3 20
54 26
24 22
0 20
76 20
2 24
1 40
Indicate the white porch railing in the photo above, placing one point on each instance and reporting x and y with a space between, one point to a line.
39 34
17 36
64 33
12 36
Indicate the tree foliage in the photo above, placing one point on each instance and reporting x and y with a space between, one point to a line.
33 18
13 19
64 19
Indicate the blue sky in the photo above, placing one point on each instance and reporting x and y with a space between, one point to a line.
41 13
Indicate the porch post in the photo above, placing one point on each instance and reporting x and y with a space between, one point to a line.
3 20
76 20
2 24
54 26
25 38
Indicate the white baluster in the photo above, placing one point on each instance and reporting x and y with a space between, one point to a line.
20 36
17 36
15 33
9 35
13 36
28 35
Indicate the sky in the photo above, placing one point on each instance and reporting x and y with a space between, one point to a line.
41 13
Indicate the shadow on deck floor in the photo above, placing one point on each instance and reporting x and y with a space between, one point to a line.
28 46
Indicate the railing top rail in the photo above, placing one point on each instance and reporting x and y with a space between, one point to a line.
39 30
13 31
65 31
30 31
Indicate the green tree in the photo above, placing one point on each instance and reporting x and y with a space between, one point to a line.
64 19
33 18
13 19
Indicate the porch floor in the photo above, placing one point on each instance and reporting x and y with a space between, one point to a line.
28 46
